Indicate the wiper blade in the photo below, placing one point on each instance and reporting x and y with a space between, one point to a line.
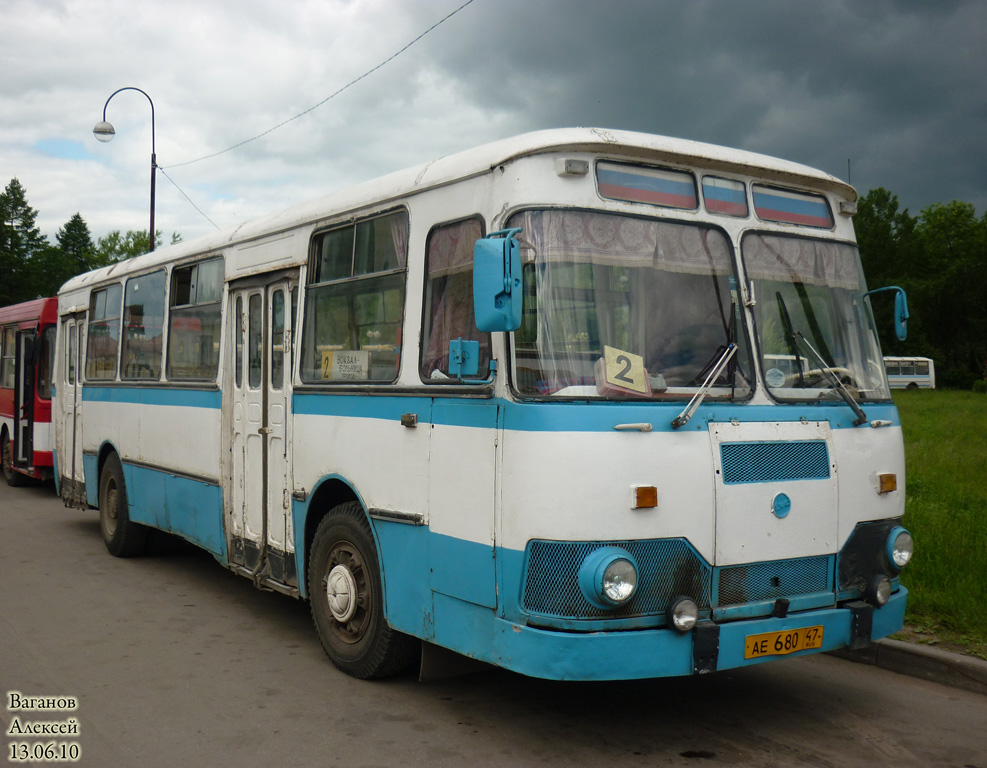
700 395
838 385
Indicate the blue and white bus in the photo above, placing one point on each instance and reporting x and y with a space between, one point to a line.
524 403
910 372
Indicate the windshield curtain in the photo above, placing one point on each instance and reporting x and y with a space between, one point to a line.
810 305
616 306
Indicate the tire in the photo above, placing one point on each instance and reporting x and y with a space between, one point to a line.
346 599
14 478
123 538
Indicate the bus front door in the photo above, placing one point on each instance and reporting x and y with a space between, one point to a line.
259 517
67 413
24 400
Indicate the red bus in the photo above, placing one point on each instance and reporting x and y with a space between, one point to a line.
27 356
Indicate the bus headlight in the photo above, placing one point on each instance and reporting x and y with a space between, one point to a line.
899 548
608 577
683 613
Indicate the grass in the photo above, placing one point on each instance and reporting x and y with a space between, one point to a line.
946 511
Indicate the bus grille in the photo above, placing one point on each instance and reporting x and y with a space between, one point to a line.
667 568
769 581
773 462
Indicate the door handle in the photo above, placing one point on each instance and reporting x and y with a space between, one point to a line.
265 430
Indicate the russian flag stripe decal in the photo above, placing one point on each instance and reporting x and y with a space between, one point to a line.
724 196
647 185
773 204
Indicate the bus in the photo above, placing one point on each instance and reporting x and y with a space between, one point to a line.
517 404
910 372
27 353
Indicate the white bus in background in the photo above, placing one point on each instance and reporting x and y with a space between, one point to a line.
910 372
535 403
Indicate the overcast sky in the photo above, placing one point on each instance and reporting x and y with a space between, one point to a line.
897 87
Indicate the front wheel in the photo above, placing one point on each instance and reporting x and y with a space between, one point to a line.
123 537
347 601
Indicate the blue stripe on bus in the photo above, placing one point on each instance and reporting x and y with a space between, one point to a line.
579 416
575 416
143 395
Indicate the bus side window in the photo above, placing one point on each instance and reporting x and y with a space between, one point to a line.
448 313
104 333
143 318
7 359
46 363
354 304
194 321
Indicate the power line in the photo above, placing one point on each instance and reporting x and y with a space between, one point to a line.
187 197
330 96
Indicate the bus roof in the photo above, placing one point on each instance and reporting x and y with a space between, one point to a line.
29 310
473 162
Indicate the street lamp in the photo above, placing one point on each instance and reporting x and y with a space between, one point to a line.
105 132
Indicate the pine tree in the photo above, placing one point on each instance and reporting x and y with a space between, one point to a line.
20 242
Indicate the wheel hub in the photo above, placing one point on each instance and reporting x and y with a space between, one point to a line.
341 592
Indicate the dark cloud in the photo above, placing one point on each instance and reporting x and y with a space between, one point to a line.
897 88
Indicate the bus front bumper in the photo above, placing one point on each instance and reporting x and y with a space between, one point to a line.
626 655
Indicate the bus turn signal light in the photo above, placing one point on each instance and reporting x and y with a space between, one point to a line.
887 482
645 497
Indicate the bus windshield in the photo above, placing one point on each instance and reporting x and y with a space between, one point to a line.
812 322
630 308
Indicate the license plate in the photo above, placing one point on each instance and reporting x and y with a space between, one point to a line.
782 643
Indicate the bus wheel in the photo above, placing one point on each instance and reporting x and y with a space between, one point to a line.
11 475
123 538
347 601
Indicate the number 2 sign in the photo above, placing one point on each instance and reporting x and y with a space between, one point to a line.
624 372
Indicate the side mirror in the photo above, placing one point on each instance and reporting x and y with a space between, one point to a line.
901 315
497 281
900 310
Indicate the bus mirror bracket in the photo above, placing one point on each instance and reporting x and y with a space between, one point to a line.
464 358
900 309
497 281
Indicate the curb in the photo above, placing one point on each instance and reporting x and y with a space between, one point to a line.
925 662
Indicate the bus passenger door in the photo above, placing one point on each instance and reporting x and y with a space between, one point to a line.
24 399
68 433
260 522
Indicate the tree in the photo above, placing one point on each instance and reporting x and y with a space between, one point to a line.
20 242
114 246
72 255
952 281
885 236
940 259
76 243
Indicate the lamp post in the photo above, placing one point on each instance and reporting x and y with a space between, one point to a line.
105 132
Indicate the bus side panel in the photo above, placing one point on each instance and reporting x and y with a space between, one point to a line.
168 442
189 508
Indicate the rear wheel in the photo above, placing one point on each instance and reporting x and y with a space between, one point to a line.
123 537
11 475
347 601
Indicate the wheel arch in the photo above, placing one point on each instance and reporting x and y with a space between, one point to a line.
329 492
102 455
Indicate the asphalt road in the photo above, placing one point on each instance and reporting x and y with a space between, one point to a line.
174 661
